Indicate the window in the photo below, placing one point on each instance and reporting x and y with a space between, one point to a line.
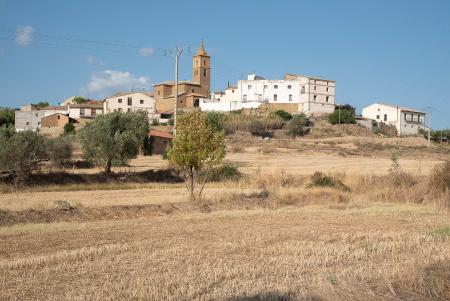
327 89
315 87
120 110
232 91
275 97
244 97
119 100
159 92
385 117
130 101
93 112
249 87
289 86
275 86
204 63
303 90
193 90
327 98
204 73
27 123
36 115
129 109
82 113
378 116
290 97
141 101
315 97
265 87
59 117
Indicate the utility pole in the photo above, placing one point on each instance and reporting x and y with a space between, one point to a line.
429 129
175 110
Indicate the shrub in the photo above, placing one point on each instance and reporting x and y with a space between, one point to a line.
69 129
225 172
257 128
344 117
283 115
7 117
60 150
297 125
439 180
319 179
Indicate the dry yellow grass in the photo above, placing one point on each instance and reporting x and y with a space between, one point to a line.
379 252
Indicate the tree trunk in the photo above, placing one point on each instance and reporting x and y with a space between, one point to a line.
108 166
191 184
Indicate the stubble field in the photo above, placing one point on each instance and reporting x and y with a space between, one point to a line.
265 237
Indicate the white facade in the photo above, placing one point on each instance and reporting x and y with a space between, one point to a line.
314 96
407 121
77 111
29 117
227 106
127 102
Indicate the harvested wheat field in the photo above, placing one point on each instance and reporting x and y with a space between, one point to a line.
334 252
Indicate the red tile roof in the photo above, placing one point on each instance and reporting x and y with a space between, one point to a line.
158 133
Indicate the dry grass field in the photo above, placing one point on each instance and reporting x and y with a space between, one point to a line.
269 236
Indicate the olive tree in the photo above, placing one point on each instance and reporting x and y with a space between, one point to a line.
20 152
114 138
196 148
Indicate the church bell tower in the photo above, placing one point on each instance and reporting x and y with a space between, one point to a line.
201 69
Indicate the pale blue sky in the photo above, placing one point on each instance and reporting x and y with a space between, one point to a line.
386 51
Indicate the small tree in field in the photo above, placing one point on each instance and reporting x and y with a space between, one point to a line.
114 138
196 149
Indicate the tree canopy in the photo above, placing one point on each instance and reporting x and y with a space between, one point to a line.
7 117
114 138
79 100
342 117
197 147
41 104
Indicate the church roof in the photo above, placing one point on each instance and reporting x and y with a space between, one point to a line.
201 49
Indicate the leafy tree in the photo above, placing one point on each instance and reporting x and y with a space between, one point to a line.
7 117
297 125
344 117
79 100
114 138
41 104
196 149
69 129
346 107
216 120
20 152
283 115
60 150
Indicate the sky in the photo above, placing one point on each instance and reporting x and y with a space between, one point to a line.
395 52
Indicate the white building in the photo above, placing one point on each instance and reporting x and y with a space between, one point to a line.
133 101
314 95
88 110
29 116
407 121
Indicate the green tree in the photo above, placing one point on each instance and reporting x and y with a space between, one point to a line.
196 149
297 125
114 138
342 117
69 129
41 104
20 152
79 100
7 117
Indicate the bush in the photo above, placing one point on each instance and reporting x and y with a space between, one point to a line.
283 115
297 125
345 117
319 179
225 172
60 150
257 128
69 129
439 180
216 120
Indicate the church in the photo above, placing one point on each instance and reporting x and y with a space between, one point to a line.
189 92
